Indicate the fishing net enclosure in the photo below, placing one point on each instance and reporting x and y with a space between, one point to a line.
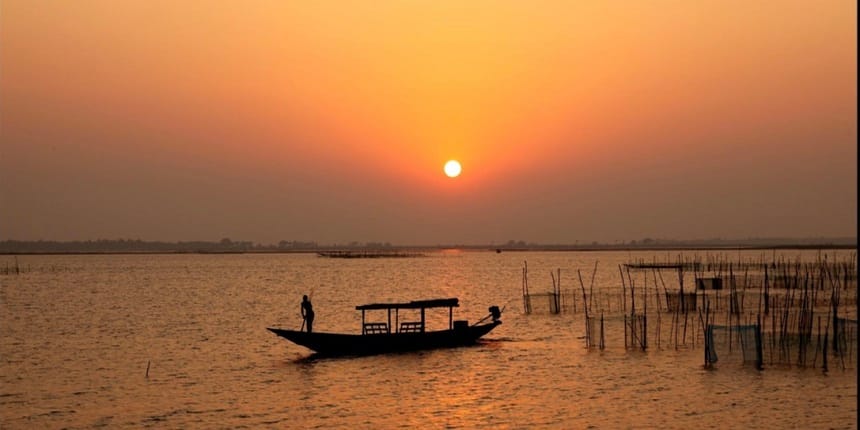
635 331
594 332
827 344
846 342
685 302
736 343
543 302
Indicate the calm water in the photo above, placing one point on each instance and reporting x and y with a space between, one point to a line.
78 332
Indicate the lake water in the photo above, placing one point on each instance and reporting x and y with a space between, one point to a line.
78 335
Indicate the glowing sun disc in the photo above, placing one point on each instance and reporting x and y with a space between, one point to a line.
453 169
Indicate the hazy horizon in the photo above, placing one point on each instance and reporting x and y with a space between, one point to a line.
841 240
268 121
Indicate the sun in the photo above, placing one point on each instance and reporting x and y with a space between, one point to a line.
453 169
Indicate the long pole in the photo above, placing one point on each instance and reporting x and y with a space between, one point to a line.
623 292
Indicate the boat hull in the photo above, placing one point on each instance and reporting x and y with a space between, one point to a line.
366 344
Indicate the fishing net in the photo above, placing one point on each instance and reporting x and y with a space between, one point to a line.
636 328
846 340
681 302
594 332
736 342
542 302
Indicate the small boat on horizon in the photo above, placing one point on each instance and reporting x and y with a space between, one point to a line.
396 335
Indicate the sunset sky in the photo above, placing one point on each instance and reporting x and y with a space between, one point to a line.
331 121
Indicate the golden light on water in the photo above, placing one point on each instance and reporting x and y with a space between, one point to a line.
453 168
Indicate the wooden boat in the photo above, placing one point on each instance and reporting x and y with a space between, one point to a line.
382 337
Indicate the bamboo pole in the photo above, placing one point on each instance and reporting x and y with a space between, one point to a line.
585 305
591 286
623 292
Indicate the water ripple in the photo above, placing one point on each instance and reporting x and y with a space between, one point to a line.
79 331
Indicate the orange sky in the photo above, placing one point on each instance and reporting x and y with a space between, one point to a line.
331 121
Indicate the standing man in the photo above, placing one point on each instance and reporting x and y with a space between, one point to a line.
308 312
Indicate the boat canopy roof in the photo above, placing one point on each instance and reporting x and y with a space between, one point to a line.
417 304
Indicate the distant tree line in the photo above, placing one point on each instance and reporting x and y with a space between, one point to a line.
141 246
227 245
651 243
120 245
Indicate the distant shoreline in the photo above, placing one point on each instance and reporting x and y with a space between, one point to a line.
482 248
